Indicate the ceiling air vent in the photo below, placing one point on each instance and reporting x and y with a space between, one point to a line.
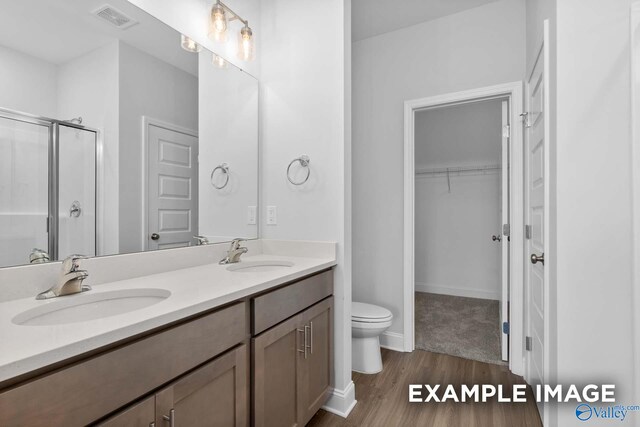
114 17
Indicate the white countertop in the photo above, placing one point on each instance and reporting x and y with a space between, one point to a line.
193 290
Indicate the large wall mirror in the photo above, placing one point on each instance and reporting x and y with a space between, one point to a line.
114 138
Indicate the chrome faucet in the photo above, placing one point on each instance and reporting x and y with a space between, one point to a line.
70 279
201 240
235 251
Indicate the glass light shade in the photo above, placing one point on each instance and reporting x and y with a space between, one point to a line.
189 45
218 23
246 48
218 61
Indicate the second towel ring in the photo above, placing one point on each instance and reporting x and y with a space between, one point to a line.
224 168
304 162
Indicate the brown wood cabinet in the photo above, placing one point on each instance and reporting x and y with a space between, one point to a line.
292 365
216 394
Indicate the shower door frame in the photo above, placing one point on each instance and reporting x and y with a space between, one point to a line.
53 172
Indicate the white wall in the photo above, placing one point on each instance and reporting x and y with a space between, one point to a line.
454 253
27 84
594 197
88 87
228 134
476 48
191 18
303 100
153 88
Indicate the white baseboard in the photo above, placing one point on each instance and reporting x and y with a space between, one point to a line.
392 340
342 402
457 291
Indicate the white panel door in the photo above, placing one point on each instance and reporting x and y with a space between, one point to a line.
504 219
536 220
172 189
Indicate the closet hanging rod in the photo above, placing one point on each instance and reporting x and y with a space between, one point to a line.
458 170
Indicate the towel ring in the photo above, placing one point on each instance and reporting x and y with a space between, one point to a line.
304 162
224 168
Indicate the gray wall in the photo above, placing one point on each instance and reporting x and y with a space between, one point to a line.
153 88
479 47
454 253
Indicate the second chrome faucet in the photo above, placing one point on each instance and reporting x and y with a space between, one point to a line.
235 252
70 279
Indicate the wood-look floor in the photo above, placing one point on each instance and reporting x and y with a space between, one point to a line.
383 399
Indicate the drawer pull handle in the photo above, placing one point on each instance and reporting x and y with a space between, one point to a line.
304 344
171 418
311 337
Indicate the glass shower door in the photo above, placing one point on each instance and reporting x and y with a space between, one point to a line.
24 189
76 153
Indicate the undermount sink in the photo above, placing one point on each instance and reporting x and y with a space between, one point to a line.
259 266
90 306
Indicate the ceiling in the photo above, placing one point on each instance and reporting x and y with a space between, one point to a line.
59 31
374 17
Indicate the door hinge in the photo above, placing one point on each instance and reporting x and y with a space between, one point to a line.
506 131
527 231
506 230
505 328
528 342
525 119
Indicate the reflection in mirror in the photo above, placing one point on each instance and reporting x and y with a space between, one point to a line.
115 139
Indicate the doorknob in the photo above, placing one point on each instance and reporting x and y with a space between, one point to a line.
537 259
497 238
155 236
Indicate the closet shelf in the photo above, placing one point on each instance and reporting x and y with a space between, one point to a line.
458 171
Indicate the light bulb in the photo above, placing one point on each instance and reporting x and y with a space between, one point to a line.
246 49
218 61
189 45
218 23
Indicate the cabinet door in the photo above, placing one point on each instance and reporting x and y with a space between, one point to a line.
275 375
141 414
213 395
314 371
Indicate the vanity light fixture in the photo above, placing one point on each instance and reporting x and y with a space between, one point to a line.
221 15
218 23
246 49
218 61
189 45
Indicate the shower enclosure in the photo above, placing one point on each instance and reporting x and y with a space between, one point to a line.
47 189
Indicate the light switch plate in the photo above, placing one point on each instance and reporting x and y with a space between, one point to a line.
252 215
272 215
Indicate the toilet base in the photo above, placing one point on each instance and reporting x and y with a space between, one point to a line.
366 357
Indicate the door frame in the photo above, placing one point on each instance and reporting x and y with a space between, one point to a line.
146 122
635 171
514 92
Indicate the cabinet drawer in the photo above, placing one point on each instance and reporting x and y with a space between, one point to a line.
86 391
274 307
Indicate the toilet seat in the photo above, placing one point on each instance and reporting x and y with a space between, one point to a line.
369 313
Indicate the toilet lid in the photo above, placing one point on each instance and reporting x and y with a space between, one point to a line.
369 312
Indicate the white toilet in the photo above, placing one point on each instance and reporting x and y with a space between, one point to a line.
368 322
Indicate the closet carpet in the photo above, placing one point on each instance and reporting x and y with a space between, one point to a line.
459 326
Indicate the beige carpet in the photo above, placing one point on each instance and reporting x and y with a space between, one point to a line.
459 326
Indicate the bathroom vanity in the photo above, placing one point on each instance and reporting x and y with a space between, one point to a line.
257 350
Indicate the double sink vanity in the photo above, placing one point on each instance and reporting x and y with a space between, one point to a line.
245 343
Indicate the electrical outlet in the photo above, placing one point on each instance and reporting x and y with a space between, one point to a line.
252 215
272 215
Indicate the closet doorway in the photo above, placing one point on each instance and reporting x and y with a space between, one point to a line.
463 160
